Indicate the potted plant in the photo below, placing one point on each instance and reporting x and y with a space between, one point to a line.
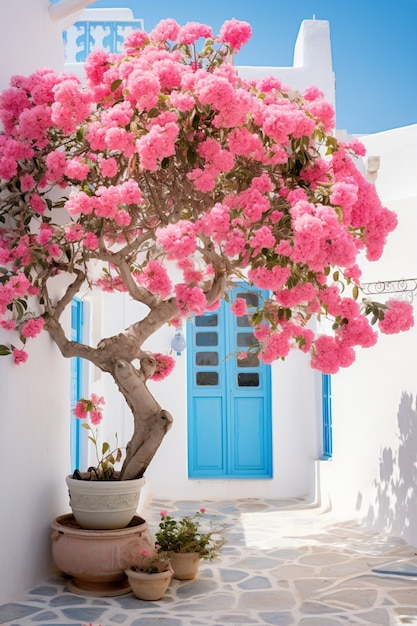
150 574
97 498
187 540
166 177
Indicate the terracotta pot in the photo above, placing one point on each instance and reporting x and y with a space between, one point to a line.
185 564
148 586
96 559
104 504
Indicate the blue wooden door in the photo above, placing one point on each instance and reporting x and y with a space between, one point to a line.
229 399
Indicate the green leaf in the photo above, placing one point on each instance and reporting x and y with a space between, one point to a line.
115 85
355 292
19 309
105 447
4 350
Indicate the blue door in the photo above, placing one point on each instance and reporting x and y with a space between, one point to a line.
229 399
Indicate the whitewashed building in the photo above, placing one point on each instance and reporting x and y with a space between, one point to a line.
372 473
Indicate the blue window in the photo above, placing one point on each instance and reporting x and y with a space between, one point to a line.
327 416
229 398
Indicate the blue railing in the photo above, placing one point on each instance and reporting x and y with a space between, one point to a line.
85 36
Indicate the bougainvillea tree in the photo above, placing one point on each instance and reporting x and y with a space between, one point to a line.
172 176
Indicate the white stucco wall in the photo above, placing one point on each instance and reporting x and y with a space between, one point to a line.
34 397
373 473
312 64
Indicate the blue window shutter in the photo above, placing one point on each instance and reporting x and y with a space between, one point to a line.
327 416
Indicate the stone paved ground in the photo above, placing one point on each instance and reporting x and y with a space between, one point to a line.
283 564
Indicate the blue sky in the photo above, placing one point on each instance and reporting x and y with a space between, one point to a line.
374 47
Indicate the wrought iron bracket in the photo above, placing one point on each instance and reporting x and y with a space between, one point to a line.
403 289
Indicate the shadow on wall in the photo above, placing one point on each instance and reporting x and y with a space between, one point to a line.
396 489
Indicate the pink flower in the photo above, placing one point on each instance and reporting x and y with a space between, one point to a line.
399 317
32 327
91 241
8 324
76 170
96 417
164 366
203 510
20 356
178 240
158 144
93 406
239 307
27 182
165 29
135 41
74 232
109 167
156 279
190 299
330 355
163 513
80 410
192 31
235 33
55 162
37 203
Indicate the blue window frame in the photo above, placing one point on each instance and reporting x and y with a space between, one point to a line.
77 321
326 384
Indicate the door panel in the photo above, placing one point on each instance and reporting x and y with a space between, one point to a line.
229 404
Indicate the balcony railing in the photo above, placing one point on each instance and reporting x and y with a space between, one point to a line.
85 36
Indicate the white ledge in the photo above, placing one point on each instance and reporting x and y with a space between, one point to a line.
64 8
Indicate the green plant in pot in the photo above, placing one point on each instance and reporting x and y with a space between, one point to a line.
97 498
150 574
187 540
106 457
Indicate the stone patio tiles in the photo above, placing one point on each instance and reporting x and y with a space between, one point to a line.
284 563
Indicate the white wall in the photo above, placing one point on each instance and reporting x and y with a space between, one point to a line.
34 405
312 63
374 469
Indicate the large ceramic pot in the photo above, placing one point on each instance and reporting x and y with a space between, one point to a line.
148 586
104 504
185 564
96 559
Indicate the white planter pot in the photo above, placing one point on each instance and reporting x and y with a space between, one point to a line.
104 504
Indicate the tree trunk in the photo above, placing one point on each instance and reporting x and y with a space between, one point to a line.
151 422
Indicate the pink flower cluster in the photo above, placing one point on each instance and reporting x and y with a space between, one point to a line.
168 163
92 406
164 366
